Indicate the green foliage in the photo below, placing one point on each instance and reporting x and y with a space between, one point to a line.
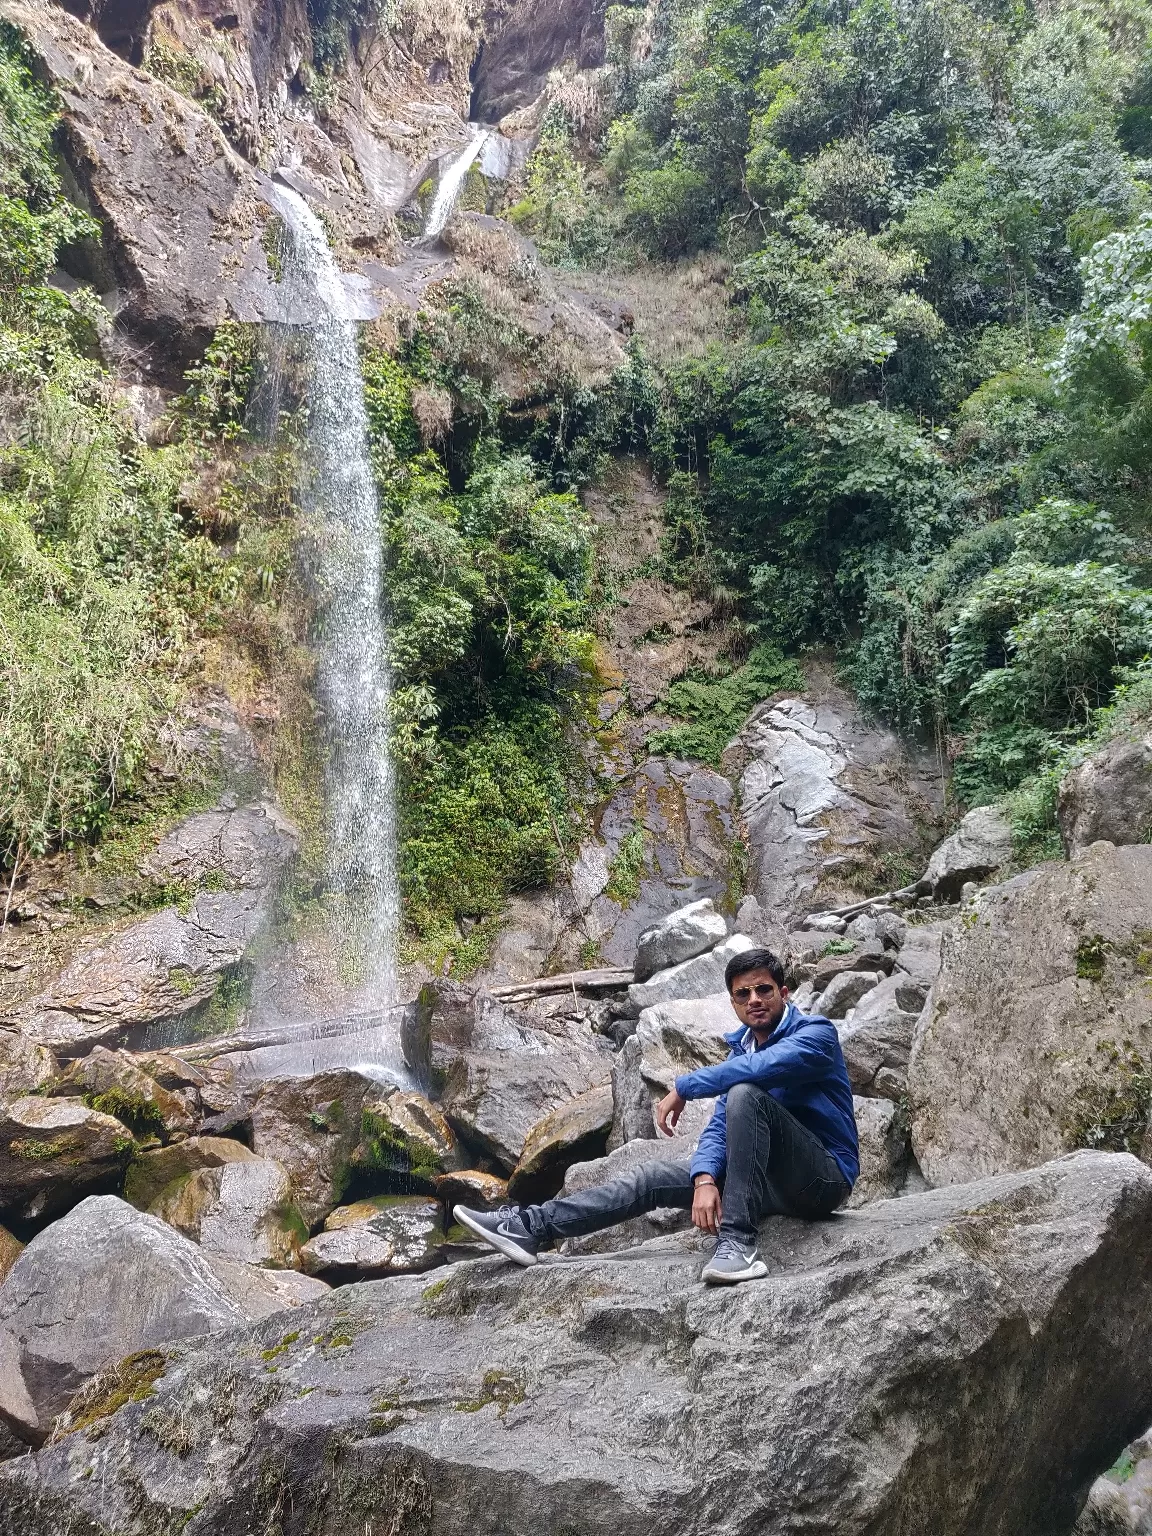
488 591
141 1115
101 584
716 708
627 867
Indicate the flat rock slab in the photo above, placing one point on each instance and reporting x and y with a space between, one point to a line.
963 1361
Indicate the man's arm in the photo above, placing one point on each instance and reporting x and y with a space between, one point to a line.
807 1055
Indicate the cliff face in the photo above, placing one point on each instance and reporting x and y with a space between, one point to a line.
175 116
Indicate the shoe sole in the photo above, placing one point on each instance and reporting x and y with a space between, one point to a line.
756 1271
505 1245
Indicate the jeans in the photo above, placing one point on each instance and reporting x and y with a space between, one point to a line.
775 1167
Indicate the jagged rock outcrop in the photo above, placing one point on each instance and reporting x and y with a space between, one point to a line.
620 1395
182 213
534 38
1108 797
497 1074
665 839
700 977
980 845
1037 1035
682 935
825 798
877 1041
312 1126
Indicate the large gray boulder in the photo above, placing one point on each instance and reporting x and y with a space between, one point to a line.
1038 1032
678 1037
498 1073
877 1041
682 935
1108 797
242 1210
980 845
699 977
962 1361
103 1282
312 1126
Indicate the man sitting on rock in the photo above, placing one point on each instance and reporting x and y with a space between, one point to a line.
782 1139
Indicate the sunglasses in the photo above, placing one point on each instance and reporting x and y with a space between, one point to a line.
745 994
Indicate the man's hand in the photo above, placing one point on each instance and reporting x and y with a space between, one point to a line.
668 1112
706 1206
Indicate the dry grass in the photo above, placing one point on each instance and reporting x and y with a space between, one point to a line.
676 310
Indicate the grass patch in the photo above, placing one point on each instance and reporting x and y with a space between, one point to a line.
627 867
714 709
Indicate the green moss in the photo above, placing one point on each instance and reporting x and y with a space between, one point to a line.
1110 1112
627 866
278 1349
838 947
140 1114
132 1380
272 241
506 1388
1091 955
714 709
432 1292
32 1151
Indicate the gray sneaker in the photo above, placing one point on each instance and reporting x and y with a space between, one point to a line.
731 1263
503 1229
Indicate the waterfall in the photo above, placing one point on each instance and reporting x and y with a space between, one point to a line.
337 496
451 182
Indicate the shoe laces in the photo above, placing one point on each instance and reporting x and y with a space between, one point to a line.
729 1248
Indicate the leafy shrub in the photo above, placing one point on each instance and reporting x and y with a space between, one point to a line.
715 709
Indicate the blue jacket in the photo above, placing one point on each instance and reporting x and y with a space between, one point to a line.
801 1064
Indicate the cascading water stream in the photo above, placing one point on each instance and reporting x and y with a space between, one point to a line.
451 182
338 501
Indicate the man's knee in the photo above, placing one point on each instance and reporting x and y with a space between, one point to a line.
652 1177
750 1098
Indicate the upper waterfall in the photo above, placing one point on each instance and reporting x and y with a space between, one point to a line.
451 182
343 537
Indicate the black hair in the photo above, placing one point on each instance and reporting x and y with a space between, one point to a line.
754 960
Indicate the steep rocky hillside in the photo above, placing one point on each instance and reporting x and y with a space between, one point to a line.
502 509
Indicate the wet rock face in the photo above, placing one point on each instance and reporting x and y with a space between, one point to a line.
536 37
1037 1035
666 840
826 799
494 1399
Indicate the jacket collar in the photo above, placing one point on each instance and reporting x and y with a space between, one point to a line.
743 1038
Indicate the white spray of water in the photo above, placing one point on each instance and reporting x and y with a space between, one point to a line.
338 497
450 184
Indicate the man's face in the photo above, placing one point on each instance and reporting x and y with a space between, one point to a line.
758 1001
